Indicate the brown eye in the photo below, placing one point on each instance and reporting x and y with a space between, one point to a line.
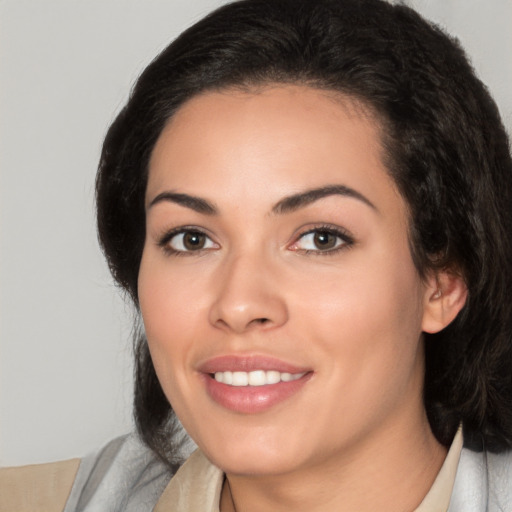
190 241
193 241
323 240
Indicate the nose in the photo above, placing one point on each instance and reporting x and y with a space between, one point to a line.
248 296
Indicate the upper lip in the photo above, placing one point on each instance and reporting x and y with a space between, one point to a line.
244 363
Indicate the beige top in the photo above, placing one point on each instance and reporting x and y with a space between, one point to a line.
38 487
196 487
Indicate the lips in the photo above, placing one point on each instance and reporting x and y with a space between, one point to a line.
251 385
237 363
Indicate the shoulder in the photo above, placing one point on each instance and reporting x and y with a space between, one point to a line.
37 487
124 475
483 482
499 476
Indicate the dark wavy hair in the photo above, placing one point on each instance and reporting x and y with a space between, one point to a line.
446 149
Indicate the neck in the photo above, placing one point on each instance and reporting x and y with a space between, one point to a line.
392 471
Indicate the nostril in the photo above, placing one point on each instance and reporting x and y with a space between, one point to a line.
261 320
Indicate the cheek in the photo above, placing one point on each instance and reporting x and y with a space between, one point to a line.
169 310
368 314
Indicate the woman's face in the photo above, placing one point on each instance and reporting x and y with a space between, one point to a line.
282 308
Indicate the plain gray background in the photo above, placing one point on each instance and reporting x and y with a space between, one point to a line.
66 69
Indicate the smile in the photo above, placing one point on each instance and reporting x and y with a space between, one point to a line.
252 384
256 377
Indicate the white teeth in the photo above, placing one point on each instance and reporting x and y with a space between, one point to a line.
256 377
240 379
273 377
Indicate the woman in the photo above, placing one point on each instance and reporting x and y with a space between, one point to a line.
309 202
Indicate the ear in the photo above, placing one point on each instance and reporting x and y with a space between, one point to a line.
445 295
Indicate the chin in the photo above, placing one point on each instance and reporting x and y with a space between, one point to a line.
256 464
256 456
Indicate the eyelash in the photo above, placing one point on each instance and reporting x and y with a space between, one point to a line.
164 241
346 239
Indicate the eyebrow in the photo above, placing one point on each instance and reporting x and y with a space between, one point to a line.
194 203
294 202
288 204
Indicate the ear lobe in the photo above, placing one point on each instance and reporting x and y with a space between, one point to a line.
445 295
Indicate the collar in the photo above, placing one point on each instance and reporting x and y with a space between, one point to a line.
196 487
438 498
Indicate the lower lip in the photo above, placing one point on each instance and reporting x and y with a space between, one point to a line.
252 399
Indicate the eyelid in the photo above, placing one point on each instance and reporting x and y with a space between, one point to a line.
347 240
164 240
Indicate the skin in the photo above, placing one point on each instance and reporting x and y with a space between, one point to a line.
355 437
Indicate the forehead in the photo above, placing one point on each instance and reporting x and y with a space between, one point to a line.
279 140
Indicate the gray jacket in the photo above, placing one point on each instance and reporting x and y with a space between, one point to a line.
483 483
